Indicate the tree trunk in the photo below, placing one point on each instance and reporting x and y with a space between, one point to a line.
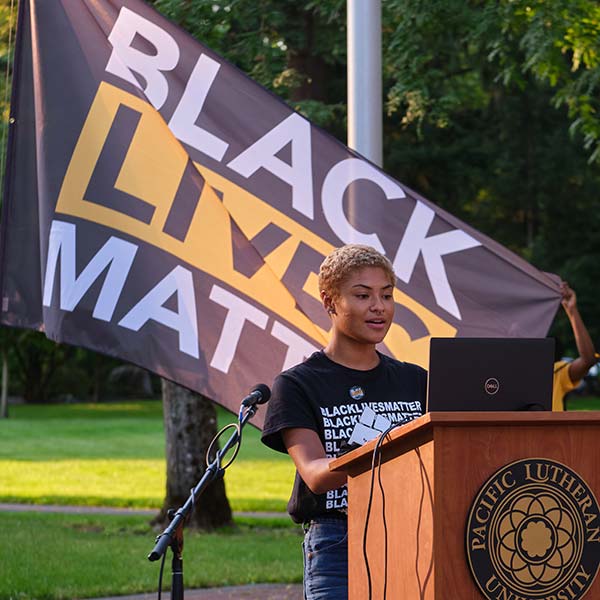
315 71
190 424
4 392
97 378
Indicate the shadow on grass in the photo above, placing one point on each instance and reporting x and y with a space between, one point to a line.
90 556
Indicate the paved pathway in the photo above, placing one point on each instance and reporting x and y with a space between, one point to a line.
111 510
79 510
262 591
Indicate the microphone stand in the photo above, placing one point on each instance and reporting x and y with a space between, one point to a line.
172 536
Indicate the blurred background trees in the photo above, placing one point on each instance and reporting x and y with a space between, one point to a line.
491 111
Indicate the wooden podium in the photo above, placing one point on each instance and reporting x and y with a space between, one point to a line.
431 471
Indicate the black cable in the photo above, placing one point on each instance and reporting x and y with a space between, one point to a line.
160 575
364 548
376 454
365 556
385 531
238 442
370 503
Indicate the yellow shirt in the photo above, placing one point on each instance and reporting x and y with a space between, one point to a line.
561 385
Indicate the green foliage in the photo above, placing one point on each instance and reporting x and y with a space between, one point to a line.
560 42
43 371
8 17
296 49
442 56
56 556
429 61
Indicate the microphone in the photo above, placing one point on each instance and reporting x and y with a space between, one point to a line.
259 395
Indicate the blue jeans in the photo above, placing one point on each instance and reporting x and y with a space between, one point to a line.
325 550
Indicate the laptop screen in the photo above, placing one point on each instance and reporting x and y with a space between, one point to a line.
490 374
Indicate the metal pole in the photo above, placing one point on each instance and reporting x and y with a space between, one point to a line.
364 79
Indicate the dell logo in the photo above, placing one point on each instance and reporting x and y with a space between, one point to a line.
491 386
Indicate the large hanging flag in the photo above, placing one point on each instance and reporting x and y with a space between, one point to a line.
163 208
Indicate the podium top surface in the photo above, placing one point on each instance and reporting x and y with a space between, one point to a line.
426 423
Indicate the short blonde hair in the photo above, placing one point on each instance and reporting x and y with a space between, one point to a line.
338 266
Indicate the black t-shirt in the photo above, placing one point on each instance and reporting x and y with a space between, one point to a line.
329 398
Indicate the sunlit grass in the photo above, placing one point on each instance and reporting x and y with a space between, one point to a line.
109 482
253 485
151 409
113 455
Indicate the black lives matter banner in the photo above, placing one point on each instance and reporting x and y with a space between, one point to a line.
163 208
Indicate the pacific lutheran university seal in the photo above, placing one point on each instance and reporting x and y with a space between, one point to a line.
533 533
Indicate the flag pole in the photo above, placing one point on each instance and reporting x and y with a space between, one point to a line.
364 79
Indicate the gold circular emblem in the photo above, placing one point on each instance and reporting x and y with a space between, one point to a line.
533 532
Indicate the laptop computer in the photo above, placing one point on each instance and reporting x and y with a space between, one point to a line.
490 374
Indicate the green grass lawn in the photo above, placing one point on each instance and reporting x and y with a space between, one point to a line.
112 454
575 402
60 557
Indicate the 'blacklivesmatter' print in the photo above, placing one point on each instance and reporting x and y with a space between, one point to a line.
358 423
